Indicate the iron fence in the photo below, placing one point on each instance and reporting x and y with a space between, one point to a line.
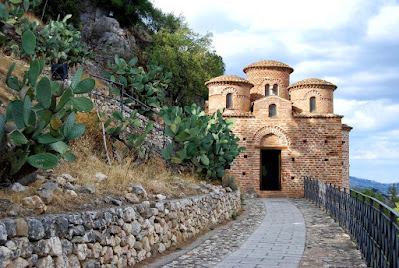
372 224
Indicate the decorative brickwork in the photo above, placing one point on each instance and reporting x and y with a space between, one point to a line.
310 144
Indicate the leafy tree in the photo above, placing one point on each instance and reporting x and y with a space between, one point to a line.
393 195
189 56
128 12
51 10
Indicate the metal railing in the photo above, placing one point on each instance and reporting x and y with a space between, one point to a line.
124 95
372 224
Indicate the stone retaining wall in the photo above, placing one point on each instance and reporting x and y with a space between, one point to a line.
111 237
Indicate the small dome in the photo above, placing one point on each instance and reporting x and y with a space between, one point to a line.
313 82
228 79
268 63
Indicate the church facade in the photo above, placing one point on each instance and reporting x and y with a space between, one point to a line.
290 131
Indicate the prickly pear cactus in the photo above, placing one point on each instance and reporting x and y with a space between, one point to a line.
40 122
148 86
206 141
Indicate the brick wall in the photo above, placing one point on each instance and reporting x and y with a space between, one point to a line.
240 96
263 76
309 147
300 98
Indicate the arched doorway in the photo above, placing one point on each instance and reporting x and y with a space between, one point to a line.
270 163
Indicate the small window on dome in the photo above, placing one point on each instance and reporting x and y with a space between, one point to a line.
229 100
275 89
272 110
312 104
267 90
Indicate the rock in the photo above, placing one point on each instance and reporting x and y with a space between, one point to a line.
61 181
35 203
21 227
114 229
90 264
139 191
17 187
68 178
61 226
81 251
73 261
71 192
129 214
108 255
132 198
5 255
160 197
67 246
46 262
86 189
161 247
18 263
10 228
3 234
61 261
69 186
100 176
35 229
46 192
116 201
136 227
55 246
28 179
24 246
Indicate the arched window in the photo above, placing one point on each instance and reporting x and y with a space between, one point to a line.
267 90
275 89
312 104
229 100
272 110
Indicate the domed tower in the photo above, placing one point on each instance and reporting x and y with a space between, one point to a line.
270 78
313 95
229 91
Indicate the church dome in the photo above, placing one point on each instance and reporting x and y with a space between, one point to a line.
313 82
268 64
230 79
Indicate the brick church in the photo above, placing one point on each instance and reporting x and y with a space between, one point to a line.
290 131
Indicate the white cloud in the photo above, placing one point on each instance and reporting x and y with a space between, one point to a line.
371 115
385 25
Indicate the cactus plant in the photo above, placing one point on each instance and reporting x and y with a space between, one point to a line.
148 86
206 141
11 12
39 123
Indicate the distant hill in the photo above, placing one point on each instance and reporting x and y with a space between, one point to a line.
363 183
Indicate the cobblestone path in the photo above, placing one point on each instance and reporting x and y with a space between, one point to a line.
294 233
327 245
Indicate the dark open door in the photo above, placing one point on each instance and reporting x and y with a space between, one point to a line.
270 170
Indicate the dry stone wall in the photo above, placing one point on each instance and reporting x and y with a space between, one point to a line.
112 237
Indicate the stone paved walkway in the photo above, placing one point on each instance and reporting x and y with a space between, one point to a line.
278 242
294 233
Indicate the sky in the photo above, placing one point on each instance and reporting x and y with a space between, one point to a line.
351 43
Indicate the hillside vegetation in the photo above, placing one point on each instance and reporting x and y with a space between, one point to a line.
55 139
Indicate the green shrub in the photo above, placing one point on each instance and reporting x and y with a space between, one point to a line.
206 141
60 42
40 122
148 86
55 9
